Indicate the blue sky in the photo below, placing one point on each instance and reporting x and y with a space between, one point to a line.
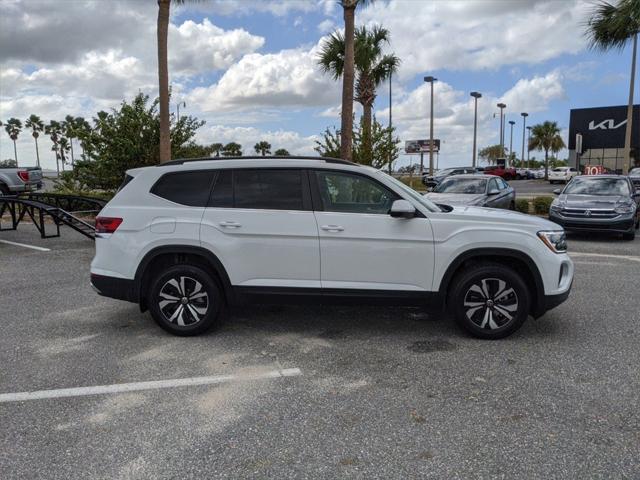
247 67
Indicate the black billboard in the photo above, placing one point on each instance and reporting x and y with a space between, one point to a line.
603 127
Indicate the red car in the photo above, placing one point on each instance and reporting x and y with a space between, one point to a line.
507 173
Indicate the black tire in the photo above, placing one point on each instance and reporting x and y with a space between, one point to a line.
629 235
4 190
507 177
512 206
486 316
200 300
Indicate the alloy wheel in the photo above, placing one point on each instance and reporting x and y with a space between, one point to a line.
183 301
491 303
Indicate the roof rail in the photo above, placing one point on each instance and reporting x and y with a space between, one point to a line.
181 161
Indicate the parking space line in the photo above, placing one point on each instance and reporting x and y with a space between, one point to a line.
40 249
633 258
137 386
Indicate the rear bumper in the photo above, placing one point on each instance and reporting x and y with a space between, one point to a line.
112 287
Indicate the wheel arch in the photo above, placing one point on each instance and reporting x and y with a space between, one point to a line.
176 254
515 259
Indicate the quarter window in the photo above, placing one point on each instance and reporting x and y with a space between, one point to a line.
343 192
186 188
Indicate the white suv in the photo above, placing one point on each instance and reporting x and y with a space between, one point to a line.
188 237
562 174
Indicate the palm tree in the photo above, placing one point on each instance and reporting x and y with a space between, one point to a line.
83 133
346 121
372 68
36 125
263 148
612 27
54 130
232 149
282 152
216 148
13 127
64 147
70 127
546 136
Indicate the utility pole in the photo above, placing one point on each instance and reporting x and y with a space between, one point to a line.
524 123
430 80
476 96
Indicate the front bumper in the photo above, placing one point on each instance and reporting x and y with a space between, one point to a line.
621 224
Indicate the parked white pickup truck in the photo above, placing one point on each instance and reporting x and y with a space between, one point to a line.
15 180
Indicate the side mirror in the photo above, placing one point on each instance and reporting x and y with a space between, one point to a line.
557 191
493 192
402 209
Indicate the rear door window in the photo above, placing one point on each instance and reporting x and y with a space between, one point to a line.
270 189
186 188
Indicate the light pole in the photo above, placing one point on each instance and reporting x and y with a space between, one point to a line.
390 134
512 123
431 80
524 123
476 96
501 106
528 150
184 104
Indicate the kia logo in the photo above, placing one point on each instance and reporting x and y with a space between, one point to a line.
609 124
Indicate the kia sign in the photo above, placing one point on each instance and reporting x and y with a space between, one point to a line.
602 127
421 146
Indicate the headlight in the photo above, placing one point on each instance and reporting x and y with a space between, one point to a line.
554 239
555 206
625 208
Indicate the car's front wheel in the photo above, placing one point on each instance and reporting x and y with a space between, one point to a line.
185 300
490 301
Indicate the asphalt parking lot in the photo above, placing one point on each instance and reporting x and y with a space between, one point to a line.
370 393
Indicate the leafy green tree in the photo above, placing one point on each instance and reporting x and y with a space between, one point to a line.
491 153
372 68
546 136
37 126
13 127
613 27
348 77
385 146
216 148
193 150
282 152
8 163
263 148
232 149
125 138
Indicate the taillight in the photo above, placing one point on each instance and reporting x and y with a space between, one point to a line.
24 175
107 224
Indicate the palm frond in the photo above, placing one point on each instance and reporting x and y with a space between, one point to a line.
612 26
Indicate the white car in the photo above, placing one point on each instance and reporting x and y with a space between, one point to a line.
188 237
562 174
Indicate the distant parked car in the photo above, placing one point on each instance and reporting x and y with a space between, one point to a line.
478 190
432 181
507 173
634 175
562 174
538 173
602 203
15 180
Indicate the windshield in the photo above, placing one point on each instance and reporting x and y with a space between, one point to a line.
411 192
444 172
462 185
597 186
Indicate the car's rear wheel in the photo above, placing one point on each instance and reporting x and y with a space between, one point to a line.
490 301
512 205
185 300
4 190
629 235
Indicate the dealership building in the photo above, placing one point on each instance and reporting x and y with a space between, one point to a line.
602 131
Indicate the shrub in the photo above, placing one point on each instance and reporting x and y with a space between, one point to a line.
541 205
522 205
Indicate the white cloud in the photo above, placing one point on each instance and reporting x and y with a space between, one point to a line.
326 26
283 79
474 35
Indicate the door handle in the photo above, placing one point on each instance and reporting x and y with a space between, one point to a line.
230 224
332 228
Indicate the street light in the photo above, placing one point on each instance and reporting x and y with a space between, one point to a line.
512 123
476 96
501 106
430 80
184 104
524 123
390 134
528 149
